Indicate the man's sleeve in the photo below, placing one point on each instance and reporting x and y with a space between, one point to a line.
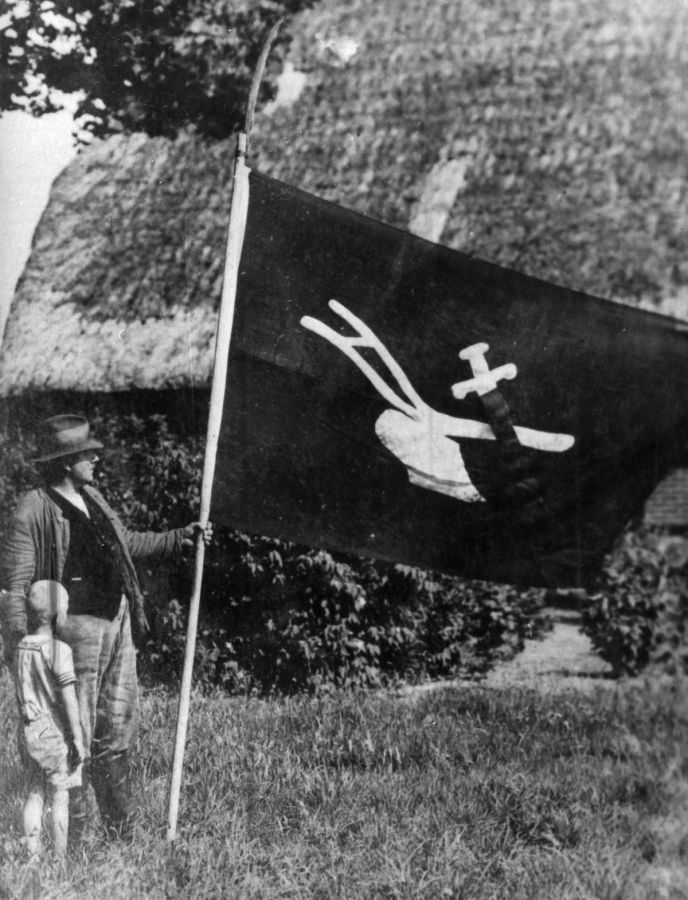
16 570
142 544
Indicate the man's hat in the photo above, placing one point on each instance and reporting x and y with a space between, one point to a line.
64 435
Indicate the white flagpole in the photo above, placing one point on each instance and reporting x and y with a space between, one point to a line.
235 240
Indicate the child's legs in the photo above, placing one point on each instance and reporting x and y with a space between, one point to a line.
46 754
60 820
33 817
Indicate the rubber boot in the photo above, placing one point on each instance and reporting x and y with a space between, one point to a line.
113 794
79 812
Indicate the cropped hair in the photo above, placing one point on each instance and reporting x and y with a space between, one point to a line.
53 471
46 603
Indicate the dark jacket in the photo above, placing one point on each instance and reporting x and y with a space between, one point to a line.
37 546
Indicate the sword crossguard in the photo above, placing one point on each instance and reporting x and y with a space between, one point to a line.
484 379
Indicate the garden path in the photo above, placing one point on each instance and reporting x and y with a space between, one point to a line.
563 659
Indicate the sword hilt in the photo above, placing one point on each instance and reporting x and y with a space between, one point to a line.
485 379
475 355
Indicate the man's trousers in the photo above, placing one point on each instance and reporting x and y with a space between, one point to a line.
107 693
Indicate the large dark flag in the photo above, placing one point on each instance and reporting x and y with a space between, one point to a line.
395 399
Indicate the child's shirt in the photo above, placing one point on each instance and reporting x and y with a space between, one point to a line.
42 665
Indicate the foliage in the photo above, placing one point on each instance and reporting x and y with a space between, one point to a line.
139 65
277 616
640 616
463 793
289 619
17 474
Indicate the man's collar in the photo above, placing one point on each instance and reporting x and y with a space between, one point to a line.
66 505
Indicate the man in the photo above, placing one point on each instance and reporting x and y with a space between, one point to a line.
66 532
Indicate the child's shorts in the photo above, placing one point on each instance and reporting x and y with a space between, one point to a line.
45 754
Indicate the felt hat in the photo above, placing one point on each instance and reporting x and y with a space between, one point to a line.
64 435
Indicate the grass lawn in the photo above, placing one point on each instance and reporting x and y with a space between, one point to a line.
465 793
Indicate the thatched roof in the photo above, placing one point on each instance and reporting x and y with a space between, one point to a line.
668 505
561 120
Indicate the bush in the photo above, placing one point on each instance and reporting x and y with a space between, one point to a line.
277 616
639 616
282 618
294 620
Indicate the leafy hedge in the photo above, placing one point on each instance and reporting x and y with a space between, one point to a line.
640 615
276 616
312 622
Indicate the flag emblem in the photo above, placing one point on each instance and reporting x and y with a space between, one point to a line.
422 438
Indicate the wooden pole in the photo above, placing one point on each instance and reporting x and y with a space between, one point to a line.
235 241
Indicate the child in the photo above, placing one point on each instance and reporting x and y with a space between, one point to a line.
50 737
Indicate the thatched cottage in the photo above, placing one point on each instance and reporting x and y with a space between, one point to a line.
545 137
